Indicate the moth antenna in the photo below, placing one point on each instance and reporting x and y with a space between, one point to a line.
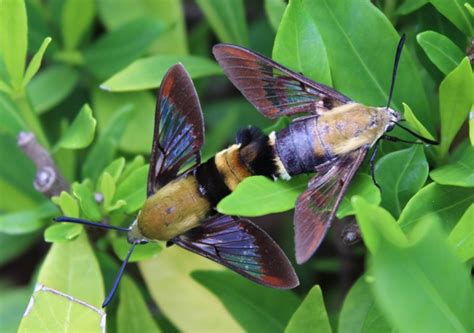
89 223
418 136
395 67
119 276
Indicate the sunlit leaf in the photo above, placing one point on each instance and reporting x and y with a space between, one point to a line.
26 221
455 11
133 189
150 250
459 173
76 20
35 62
81 132
462 235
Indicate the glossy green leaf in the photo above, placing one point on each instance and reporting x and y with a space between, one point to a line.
363 186
459 173
148 72
26 221
462 235
441 50
360 313
415 123
455 11
227 19
133 314
115 168
456 99
35 62
359 72
243 300
298 40
62 232
76 20
107 189
13 39
179 296
67 204
373 221
401 174
69 291
311 315
150 250
131 166
274 10
445 203
12 306
117 49
259 195
87 202
104 148
52 86
438 301
10 119
81 132
133 189
138 133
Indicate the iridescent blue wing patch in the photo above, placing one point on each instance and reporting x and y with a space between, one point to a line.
272 88
179 129
243 247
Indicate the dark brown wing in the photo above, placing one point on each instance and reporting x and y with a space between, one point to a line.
243 247
316 207
179 128
273 89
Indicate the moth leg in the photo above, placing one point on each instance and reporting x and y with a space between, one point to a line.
372 164
395 139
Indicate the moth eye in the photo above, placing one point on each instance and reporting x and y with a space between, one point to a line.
327 103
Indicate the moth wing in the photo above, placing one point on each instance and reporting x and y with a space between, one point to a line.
272 88
316 207
179 128
243 247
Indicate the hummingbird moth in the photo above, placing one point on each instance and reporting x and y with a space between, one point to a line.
331 137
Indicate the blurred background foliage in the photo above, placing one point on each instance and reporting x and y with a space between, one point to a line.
82 76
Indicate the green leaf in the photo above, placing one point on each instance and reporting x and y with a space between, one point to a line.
133 189
227 19
67 204
10 119
363 186
87 202
459 173
471 125
259 195
455 99
243 299
115 168
298 40
148 72
274 10
401 174
360 313
26 221
179 296
104 148
117 49
107 188
35 62
121 246
132 313
14 246
462 235
436 202
13 39
409 6
81 132
62 232
76 20
374 221
441 50
138 133
438 301
415 123
359 72
131 166
12 307
51 86
311 315
69 291
455 11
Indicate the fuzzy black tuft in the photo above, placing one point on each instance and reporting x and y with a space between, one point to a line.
259 155
211 182
247 135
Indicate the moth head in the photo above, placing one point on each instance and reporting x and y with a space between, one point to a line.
390 117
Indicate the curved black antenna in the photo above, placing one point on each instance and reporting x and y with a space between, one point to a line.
119 276
89 223
418 136
395 67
